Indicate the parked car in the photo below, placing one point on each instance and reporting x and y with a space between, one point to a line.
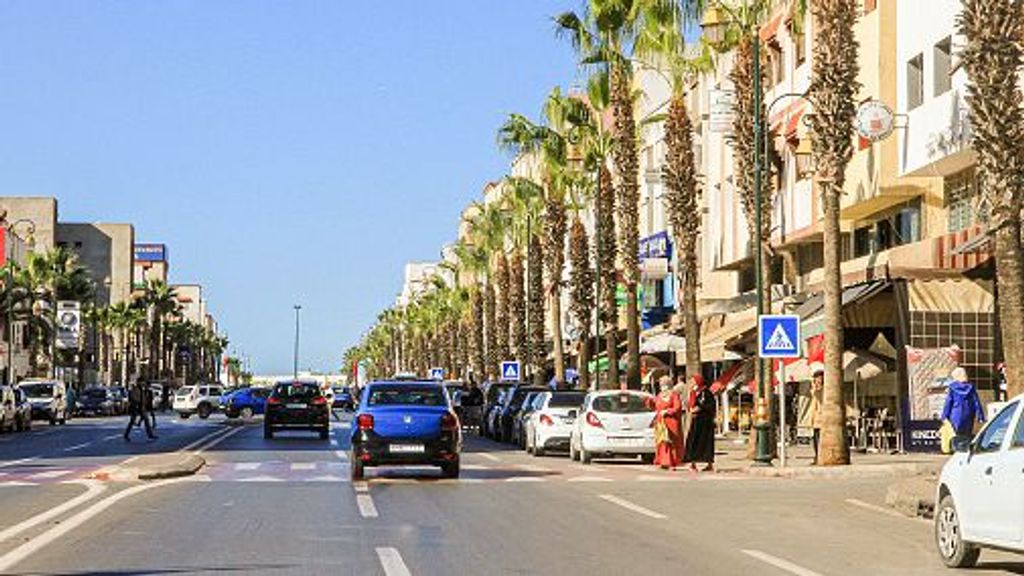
980 495
96 401
201 399
519 419
549 426
343 399
297 406
493 392
245 403
49 399
613 423
119 396
15 409
407 423
513 402
493 415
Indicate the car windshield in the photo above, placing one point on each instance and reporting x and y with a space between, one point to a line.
496 392
186 390
622 403
297 391
398 394
518 397
566 400
38 390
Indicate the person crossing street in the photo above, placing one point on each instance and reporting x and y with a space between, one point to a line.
139 410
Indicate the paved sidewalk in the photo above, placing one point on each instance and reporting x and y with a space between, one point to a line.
731 456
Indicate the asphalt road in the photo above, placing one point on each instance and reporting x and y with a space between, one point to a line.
286 506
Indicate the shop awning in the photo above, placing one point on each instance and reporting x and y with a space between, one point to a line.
977 244
857 364
713 345
812 312
950 295
664 342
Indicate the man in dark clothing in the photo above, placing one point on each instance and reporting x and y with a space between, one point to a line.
139 410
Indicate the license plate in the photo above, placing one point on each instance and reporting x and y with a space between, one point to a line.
630 442
406 448
295 405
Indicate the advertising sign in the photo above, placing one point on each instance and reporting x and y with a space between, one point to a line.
721 102
928 371
69 324
656 246
150 252
875 120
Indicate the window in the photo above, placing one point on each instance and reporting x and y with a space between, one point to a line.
943 56
963 208
908 224
622 403
862 241
915 82
991 439
776 63
1018 436
799 47
403 395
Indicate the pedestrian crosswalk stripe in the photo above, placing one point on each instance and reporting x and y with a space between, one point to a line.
15 483
260 479
327 478
49 475
524 479
303 466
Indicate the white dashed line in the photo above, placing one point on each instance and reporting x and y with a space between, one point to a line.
784 565
77 447
631 506
366 507
16 462
361 486
247 465
391 562
303 466
524 479
490 457
49 475
589 479
260 479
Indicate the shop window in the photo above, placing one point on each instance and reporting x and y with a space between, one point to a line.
943 58
964 208
862 241
915 82
908 224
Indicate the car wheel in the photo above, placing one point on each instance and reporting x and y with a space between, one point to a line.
325 433
358 470
647 458
573 455
268 433
204 411
585 457
537 450
184 415
450 469
27 424
246 414
949 538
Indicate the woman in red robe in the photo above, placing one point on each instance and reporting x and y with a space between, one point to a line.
668 426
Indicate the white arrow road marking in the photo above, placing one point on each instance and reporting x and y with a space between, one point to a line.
631 506
391 562
784 565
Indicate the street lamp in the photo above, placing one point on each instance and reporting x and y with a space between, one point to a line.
714 25
9 281
295 372
804 154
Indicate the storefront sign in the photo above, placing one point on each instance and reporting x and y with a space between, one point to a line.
654 268
874 120
150 252
928 372
720 110
656 246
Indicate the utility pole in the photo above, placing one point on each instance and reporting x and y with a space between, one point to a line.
295 372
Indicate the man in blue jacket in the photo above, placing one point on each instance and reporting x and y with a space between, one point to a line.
962 407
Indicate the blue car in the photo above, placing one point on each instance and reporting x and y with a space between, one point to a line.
405 423
246 403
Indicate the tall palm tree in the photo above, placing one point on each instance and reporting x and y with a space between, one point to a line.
525 199
993 57
833 89
581 284
161 303
473 260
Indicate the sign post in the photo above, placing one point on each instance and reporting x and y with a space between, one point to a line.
778 337
510 371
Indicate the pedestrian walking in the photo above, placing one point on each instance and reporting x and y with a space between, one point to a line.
148 403
668 428
817 397
962 407
700 441
137 411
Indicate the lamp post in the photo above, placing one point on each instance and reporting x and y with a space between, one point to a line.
295 371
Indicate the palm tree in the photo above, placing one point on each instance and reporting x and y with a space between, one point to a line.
161 303
581 284
833 89
525 199
993 57
473 260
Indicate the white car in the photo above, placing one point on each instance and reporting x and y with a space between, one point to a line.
980 496
202 399
614 423
49 399
550 424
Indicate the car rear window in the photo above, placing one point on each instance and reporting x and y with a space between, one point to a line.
495 392
400 394
95 393
297 391
622 403
566 400
186 390
38 390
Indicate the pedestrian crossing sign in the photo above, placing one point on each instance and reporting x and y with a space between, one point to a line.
437 373
778 336
510 371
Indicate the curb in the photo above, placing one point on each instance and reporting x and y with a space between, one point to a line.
186 466
901 470
913 497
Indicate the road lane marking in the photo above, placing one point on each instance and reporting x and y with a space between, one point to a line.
361 486
327 478
476 467
631 506
92 490
77 446
33 545
781 564
366 507
296 466
341 454
49 475
247 465
218 440
391 562
589 479
16 483
886 511
188 447
490 457
111 437
260 479
334 442
16 462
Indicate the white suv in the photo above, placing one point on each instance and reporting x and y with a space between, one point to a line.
614 423
980 496
202 399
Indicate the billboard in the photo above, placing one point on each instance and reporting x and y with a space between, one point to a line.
69 324
150 252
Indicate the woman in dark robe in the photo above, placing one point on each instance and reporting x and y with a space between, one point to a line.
700 442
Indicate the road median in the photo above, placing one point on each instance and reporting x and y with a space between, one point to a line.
153 467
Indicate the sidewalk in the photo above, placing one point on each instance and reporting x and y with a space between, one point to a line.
731 456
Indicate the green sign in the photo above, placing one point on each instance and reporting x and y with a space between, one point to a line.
620 294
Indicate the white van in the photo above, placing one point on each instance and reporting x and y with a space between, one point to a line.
49 399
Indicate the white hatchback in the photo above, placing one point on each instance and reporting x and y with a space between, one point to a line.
614 423
550 424
980 496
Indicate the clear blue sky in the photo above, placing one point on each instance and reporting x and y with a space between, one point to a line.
297 151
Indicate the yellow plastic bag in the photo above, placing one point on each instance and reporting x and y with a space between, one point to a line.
660 432
946 435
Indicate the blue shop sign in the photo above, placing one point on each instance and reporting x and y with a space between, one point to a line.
656 246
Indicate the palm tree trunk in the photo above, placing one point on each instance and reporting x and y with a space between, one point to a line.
993 57
477 343
535 311
628 205
491 334
832 93
517 307
582 291
609 277
554 251
502 315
